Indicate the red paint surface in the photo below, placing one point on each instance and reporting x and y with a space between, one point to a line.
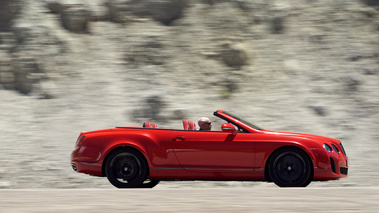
191 154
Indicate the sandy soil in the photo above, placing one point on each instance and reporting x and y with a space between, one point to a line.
348 199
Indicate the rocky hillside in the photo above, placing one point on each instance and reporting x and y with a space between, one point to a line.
77 65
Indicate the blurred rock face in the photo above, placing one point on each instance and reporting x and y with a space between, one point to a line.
215 38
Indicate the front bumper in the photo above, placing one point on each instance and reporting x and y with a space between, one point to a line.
331 166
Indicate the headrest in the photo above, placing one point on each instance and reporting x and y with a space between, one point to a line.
185 124
191 125
146 124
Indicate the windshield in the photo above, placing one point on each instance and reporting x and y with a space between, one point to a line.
243 121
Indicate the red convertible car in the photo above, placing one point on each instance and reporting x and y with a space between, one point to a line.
140 157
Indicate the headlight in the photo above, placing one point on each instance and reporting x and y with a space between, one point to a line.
328 148
335 148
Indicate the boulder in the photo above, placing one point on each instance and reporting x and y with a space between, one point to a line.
8 11
212 2
150 110
27 72
98 10
371 2
56 6
75 15
150 52
276 25
319 110
164 11
35 49
233 55
6 71
352 83
167 11
76 18
28 38
7 41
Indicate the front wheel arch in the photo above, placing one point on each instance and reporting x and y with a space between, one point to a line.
281 149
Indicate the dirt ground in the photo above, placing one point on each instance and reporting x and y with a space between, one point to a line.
333 199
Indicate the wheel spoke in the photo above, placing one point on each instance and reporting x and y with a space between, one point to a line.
290 168
125 169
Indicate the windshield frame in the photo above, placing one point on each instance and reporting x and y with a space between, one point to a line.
237 118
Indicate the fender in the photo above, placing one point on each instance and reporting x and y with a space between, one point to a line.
153 145
263 153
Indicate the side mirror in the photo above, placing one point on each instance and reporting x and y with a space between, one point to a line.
226 127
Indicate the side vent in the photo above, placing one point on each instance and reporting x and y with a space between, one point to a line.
333 165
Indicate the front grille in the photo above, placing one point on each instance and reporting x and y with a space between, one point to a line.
343 170
333 165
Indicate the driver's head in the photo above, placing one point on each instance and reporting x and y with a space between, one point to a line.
204 123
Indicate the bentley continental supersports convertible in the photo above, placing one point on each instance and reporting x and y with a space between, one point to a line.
140 157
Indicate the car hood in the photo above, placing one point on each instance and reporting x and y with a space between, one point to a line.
301 135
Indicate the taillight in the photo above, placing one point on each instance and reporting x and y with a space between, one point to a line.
80 141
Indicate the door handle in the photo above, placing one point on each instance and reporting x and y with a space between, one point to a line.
179 138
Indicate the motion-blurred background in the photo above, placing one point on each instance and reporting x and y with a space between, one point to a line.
68 66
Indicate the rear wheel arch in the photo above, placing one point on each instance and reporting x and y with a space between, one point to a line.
281 149
126 148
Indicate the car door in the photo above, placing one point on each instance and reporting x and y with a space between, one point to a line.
205 151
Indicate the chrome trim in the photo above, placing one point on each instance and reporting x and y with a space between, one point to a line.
320 170
89 164
166 168
208 169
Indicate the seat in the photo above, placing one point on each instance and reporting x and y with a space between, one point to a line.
148 124
191 125
185 124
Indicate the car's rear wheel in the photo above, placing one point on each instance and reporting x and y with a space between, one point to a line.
126 169
290 167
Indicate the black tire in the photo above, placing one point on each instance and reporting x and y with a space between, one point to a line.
290 167
126 169
149 183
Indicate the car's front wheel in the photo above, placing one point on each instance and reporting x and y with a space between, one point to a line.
290 167
149 183
126 169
